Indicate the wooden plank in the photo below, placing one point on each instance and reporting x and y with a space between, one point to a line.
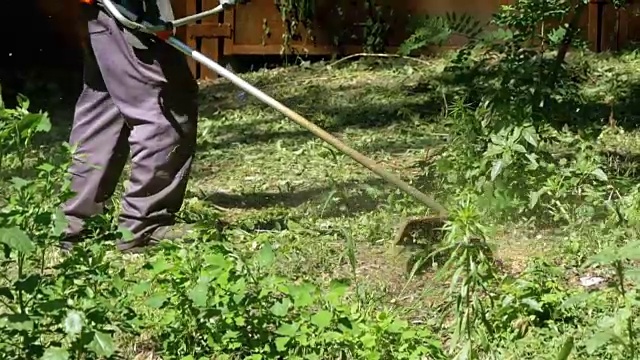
210 46
633 24
229 17
623 29
248 20
184 8
209 30
608 33
320 50
594 27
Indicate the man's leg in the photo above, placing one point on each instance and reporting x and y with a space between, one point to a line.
100 136
155 91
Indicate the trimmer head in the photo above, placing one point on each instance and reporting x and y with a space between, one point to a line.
429 228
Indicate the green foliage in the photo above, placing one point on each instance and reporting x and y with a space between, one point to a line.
471 272
17 128
273 285
436 30
510 106
193 301
299 15
61 311
294 14
214 302
375 26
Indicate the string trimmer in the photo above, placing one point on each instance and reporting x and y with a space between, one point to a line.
165 32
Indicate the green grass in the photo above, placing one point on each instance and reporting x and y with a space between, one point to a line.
261 167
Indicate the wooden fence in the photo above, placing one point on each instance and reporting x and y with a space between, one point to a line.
342 27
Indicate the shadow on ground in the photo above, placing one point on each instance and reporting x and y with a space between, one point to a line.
348 199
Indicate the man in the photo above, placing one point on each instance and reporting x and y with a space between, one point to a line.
139 98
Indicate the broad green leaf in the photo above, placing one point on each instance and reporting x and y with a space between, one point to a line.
46 167
294 226
302 295
534 196
288 329
102 344
281 308
519 148
631 274
515 135
281 343
604 257
266 256
141 288
18 183
338 287
17 240
322 319
52 305
534 305
156 300
398 326
200 294
160 265
368 340
337 290
73 323
600 175
55 353
529 134
125 234
631 250
408 334
575 300
19 322
217 260
28 285
59 222
498 165
599 340
44 125
497 139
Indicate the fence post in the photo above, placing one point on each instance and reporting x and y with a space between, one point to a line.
205 36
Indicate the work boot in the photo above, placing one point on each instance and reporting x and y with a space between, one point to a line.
171 233
69 241
174 232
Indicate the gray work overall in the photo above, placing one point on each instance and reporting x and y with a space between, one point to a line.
139 99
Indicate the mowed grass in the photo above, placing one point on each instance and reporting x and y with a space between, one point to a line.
281 184
277 183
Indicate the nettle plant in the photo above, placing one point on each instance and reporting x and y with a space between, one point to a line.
18 126
49 308
506 97
206 299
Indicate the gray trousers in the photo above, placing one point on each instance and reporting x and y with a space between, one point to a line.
137 102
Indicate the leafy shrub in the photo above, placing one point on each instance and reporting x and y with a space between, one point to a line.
211 301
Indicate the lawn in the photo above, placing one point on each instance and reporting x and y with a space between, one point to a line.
296 258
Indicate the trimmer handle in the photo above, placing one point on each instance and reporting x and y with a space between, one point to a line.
164 30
